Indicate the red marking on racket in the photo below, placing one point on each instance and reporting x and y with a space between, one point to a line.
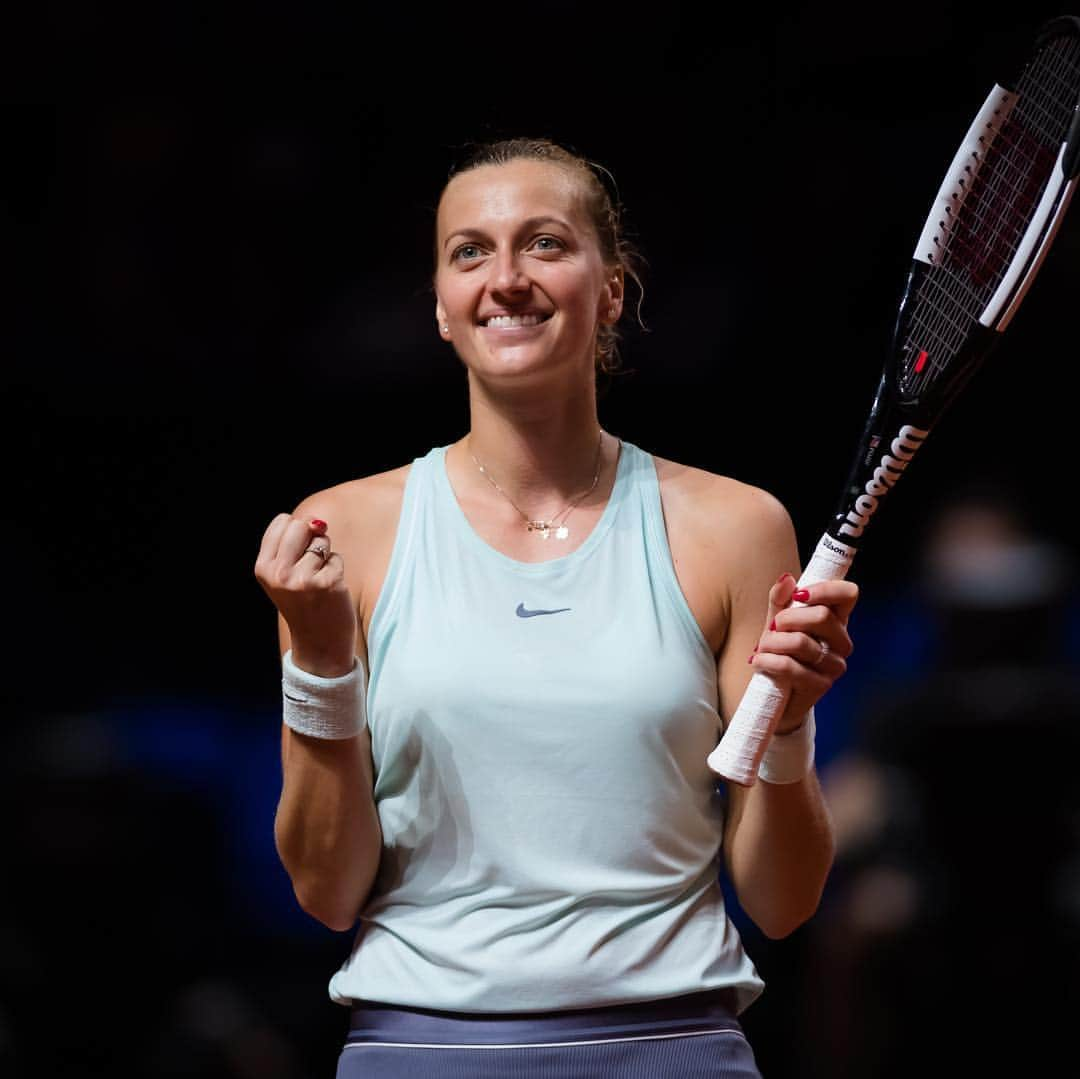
920 363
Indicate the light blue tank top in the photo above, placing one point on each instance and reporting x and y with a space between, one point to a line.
539 733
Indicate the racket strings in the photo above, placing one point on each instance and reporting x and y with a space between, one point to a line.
1003 196
1030 139
1048 89
979 242
992 213
986 230
938 325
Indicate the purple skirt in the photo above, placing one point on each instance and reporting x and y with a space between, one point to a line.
692 1037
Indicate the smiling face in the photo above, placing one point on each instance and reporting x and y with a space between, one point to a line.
521 284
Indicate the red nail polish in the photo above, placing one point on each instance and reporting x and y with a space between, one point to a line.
782 576
318 525
772 624
800 595
751 659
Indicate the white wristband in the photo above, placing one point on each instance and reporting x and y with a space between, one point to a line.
323 707
789 756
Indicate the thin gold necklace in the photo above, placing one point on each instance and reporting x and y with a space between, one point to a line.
545 528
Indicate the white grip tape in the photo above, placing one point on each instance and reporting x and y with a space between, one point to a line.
829 562
738 756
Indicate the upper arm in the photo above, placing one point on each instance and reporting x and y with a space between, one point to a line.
729 542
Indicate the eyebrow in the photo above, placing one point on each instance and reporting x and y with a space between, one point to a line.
525 226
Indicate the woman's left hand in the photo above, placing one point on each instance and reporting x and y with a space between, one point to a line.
805 646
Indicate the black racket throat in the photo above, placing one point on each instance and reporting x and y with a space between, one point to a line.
904 411
892 437
938 344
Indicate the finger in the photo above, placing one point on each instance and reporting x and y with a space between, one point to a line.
321 562
789 672
838 596
316 555
298 537
780 596
331 573
818 623
271 538
819 656
808 649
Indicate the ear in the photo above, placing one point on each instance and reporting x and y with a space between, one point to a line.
440 318
613 295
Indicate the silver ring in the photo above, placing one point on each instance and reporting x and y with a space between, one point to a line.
824 652
322 552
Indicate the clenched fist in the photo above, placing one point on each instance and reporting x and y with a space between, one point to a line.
305 579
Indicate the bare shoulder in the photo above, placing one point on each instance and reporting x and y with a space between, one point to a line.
725 537
706 505
362 516
358 507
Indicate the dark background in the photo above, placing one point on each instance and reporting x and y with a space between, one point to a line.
218 225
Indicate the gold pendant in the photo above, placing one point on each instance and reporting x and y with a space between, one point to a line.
543 527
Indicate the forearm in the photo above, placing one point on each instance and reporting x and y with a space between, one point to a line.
780 855
327 828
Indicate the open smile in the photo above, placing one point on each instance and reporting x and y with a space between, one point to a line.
514 322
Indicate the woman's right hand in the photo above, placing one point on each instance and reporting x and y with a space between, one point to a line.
310 593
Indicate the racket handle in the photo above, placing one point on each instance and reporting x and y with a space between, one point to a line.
738 756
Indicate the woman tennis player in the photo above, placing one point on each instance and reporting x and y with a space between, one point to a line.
504 665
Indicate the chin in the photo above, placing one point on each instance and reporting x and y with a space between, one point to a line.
523 366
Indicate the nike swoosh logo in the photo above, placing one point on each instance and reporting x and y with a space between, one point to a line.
523 612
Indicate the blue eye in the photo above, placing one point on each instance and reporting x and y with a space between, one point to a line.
549 243
465 251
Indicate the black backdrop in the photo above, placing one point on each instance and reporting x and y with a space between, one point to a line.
219 223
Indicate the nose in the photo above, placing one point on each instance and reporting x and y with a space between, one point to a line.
507 274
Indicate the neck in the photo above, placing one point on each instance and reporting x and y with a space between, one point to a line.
541 452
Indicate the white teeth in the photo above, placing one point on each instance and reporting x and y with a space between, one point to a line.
513 320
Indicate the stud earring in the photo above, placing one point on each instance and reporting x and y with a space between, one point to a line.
445 327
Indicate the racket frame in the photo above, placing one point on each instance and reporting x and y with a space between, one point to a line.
899 421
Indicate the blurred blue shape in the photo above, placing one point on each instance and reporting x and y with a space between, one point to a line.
232 759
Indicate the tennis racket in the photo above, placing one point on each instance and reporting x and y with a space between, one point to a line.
989 229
